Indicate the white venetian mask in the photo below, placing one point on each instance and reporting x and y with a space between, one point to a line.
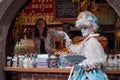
85 31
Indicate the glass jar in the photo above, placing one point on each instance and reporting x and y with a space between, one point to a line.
53 62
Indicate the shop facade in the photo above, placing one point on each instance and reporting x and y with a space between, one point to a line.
8 11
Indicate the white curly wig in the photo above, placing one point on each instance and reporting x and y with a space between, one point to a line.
86 18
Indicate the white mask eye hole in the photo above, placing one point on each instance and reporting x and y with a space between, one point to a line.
84 28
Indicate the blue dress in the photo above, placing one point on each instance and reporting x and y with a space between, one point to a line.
95 74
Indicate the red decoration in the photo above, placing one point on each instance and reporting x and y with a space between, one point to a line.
40 6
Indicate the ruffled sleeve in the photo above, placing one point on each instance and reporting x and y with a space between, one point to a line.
75 49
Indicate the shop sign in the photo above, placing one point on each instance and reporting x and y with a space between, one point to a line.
40 6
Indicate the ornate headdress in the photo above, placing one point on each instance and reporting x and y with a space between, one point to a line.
86 18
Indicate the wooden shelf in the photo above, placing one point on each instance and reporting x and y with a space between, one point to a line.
42 70
49 24
50 70
112 71
107 31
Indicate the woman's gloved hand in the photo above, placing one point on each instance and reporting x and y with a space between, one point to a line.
64 35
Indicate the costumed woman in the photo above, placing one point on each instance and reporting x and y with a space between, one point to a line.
89 47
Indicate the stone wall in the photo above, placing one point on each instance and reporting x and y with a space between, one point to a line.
8 9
